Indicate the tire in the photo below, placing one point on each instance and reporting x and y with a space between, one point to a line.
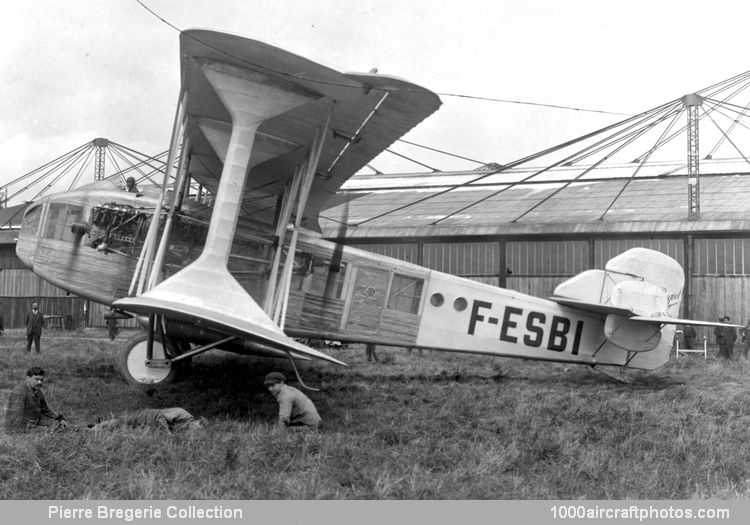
131 362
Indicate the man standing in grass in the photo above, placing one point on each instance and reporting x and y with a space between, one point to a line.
295 408
34 325
27 407
725 337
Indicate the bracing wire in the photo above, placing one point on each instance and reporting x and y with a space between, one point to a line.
259 67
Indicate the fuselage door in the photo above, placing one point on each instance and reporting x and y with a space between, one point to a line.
368 298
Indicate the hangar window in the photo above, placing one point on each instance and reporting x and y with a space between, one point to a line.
406 294
547 258
722 257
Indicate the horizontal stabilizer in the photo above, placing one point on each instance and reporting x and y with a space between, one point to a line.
603 309
671 320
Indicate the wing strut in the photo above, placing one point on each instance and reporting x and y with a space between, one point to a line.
177 195
146 255
277 300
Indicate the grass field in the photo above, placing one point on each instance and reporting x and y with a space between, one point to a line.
441 426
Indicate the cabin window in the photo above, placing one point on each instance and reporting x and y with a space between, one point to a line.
406 294
31 220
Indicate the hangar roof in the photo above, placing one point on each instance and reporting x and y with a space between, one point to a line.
599 206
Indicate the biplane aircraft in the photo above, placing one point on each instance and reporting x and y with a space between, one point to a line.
271 137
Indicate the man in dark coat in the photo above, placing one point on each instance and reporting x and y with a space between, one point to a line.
725 338
34 324
27 407
688 336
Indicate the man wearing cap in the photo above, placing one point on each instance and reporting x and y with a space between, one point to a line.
725 337
27 407
34 325
295 408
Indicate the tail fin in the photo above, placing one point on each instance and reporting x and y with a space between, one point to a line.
638 291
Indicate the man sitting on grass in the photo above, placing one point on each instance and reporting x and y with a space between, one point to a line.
27 408
170 420
295 408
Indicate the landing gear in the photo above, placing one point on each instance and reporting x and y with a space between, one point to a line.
132 362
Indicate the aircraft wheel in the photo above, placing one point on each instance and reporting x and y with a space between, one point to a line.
131 362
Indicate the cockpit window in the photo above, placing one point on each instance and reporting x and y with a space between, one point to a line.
60 219
31 219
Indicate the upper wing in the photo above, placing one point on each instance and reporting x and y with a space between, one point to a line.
369 113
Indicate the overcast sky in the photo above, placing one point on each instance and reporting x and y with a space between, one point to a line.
74 70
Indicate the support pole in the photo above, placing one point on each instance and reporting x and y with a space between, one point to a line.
692 103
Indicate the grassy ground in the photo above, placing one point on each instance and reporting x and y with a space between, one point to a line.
441 426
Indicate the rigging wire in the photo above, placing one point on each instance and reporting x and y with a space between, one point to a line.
259 67
515 163
544 170
726 137
626 139
439 151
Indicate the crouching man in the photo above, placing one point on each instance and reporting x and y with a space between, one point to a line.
295 408
27 408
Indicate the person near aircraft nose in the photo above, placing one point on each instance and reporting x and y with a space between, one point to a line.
34 324
130 185
295 408
170 420
111 318
725 337
27 408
